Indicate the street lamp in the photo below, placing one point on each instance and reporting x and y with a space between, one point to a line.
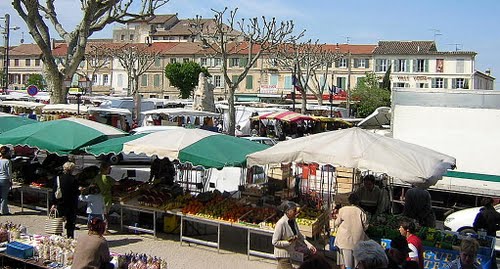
83 84
6 32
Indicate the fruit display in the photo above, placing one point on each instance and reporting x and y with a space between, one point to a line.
154 198
228 209
308 215
259 215
178 202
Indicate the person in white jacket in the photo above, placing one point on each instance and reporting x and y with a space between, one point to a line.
287 237
95 203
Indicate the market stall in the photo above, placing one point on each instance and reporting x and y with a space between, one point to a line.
9 121
117 117
21 107
61 111
179 117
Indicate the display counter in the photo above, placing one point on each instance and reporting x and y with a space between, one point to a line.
15 262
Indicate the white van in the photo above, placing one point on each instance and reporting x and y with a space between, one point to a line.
128 103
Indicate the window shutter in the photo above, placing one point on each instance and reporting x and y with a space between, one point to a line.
337 63
445 83
426 66
453 83
434 83
415 66
234 78
395 66
249 82
367 63
356 63
243 62
407 65
156 80
466 83
288 82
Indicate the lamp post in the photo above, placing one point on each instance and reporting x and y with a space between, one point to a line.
84 83
6 35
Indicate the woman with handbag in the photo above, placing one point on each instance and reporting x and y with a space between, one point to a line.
5 179
92 249
65 187
287 237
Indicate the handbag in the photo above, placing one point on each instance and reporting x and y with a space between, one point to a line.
54 223
58 193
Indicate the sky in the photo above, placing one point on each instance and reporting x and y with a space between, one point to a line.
453 24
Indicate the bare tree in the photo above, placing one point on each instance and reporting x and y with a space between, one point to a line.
307 61
327 59
96 15
254 36
97 57
136 59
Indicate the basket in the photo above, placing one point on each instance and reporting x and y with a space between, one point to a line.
54 223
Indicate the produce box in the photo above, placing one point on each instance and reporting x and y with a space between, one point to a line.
19 250
315 227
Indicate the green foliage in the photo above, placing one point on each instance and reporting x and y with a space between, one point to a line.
184 76
369 95
386 82
37 80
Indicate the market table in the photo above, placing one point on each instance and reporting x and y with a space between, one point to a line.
134 206
42 190
210 222
27 263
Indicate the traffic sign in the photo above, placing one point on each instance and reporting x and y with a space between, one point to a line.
32 90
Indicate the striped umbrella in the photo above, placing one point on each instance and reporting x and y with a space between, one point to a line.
288 116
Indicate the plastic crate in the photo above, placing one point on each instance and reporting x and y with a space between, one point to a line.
19 250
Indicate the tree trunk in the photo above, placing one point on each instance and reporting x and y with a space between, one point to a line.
303 110
55 85
137 99
320 99
232 112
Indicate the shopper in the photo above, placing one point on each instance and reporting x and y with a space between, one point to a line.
68 203
105 183
369 255
92 249
487 218
5 179
287 237
467 257
352 223
95 203
370 196
418 206
407 229
397 254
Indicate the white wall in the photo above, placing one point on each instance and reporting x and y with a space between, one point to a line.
471 135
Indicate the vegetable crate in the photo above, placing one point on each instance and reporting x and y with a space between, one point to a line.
315 228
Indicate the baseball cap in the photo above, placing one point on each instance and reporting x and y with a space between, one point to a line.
400 244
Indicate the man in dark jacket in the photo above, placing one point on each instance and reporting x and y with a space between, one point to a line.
487 218
398 255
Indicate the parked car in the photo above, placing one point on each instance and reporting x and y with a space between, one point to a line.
462 221
263 140
142 158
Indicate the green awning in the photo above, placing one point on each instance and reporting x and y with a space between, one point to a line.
473 176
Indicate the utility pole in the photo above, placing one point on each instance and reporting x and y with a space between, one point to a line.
5 85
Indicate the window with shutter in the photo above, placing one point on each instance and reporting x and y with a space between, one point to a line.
249 82
445 84
243 62
156 80
234 78
356 63
426 67
367 63
273 80
144 80
434 83
288 82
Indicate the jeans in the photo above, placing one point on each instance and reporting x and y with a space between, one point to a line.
4 194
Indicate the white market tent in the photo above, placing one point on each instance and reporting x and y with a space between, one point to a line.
357 148
64 108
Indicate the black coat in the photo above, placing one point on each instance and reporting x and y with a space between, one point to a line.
489 219
70 193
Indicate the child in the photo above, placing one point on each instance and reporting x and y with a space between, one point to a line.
95 203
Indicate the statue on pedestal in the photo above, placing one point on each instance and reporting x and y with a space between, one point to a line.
204 95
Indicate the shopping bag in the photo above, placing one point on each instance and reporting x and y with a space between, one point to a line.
54 223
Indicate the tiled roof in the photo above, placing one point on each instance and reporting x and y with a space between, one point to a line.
184 27
161 18
353 49
25 50
405 47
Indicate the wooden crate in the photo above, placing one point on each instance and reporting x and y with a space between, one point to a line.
316 227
